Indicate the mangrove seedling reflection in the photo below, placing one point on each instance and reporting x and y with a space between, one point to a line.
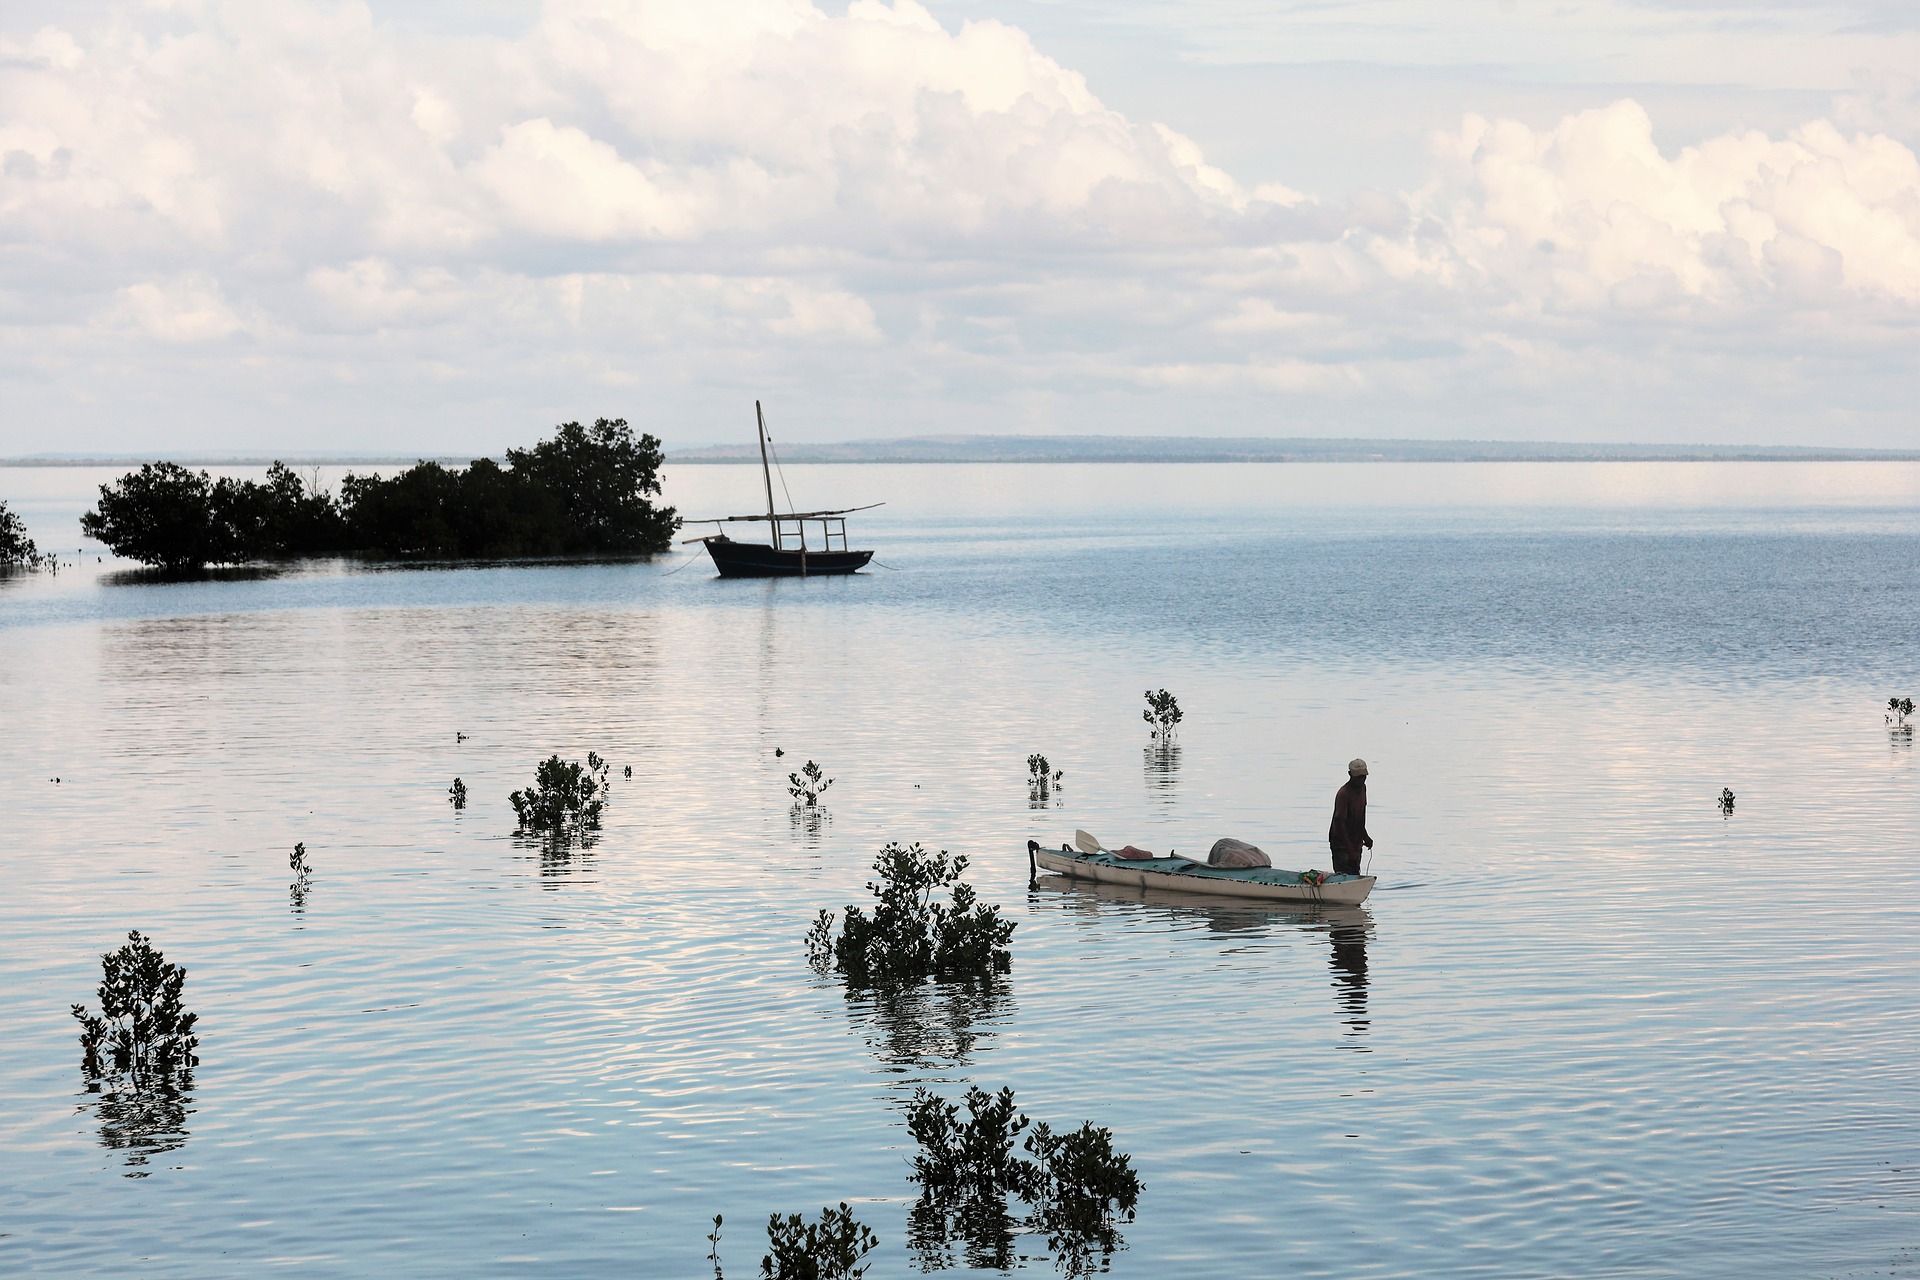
1162 714
565 800
830 1249
457 793
910 935
928 1026
137 1052
1076 1187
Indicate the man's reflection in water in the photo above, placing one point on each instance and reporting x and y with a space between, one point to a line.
1349 964
1244 923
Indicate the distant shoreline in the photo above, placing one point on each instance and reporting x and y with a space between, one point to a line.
1157 450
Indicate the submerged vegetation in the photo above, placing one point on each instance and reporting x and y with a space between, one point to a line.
910 935
1162 714
565 799
585 491
1075 1186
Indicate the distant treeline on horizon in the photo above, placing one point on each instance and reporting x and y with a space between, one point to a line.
1007 448
585 491
1059 448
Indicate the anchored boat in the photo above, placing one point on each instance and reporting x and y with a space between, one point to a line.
1183 875
786 553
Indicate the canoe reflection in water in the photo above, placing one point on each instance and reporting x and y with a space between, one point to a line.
1346 928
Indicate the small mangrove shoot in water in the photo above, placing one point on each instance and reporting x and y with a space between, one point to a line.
457 793
911 936
1898 709
1042 778
141 1033
806 785
1162 713
297 891
566 797
830 1249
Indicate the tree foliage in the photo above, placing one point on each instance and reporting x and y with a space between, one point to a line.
586 491
141 1033
15 546
910 935
1162 714
566 798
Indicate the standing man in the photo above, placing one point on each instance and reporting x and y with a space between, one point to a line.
1348 833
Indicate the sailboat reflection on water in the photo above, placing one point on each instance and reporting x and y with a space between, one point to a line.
786 553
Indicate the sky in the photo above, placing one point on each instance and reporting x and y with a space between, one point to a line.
402 227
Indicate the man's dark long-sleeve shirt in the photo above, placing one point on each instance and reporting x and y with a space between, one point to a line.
1349 830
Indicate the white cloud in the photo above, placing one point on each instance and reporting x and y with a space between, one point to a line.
177 311
865 205
1591 214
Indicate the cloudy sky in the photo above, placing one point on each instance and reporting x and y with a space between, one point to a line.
321 226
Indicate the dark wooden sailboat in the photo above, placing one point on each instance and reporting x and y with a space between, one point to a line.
786 553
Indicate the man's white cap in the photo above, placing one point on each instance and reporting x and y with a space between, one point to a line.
1357 767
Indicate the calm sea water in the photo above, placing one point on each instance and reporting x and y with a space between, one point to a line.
1587 1025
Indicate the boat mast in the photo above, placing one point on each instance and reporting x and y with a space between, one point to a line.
773 526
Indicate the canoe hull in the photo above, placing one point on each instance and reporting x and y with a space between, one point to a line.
758 560
1345 892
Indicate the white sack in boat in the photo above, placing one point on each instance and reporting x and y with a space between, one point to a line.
1236 853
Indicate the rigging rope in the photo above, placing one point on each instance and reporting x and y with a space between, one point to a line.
777 467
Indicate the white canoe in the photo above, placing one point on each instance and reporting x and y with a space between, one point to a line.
1180 875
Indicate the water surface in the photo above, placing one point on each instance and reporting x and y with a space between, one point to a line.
1587 1026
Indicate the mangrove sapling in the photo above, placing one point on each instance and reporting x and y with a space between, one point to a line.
566 798
297 891
141 1034
1042 779
1162 713
1726 801
806 785
830 1249
911 936
1898 709
457 793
